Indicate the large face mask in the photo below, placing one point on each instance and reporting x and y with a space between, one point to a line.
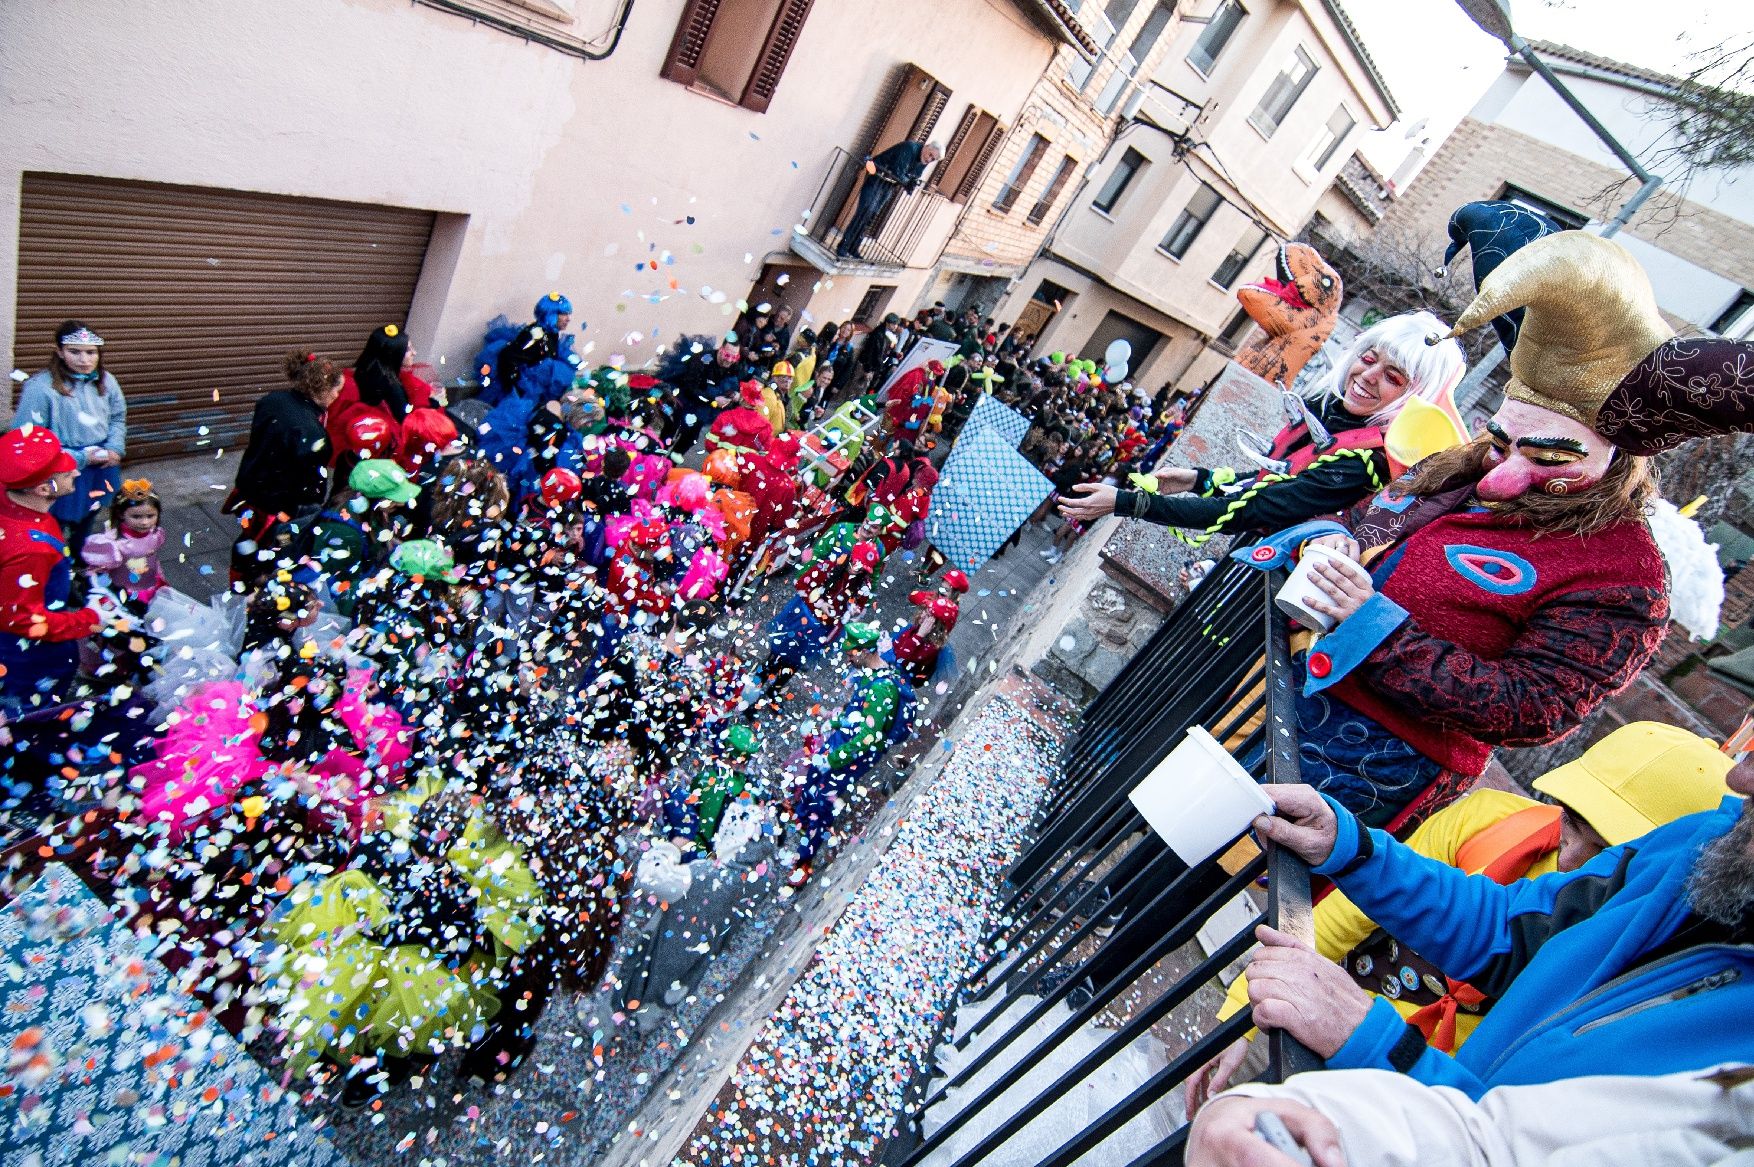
1535 449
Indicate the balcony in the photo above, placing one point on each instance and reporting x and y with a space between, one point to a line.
893 242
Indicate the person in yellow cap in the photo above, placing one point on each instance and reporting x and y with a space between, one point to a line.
774 394
1638 778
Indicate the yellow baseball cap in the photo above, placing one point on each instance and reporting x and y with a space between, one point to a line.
1640 777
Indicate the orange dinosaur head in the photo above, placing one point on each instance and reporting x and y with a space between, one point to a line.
1297 310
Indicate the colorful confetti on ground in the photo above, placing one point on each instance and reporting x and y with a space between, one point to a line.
826 1081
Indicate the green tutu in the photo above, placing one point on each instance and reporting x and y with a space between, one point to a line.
340 991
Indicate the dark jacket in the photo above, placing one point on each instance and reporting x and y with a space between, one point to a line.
285 468
901 164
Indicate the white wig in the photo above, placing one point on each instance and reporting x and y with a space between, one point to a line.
1432 369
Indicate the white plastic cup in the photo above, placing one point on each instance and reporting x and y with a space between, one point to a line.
1199 799
1290 597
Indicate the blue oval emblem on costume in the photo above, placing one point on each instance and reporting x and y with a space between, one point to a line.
1499 572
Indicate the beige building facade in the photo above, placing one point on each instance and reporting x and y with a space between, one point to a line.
650 162
1521 142
1239 134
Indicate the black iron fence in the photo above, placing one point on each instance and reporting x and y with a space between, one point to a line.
1097 902
891 239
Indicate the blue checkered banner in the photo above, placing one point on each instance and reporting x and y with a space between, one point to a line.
987 490
991 413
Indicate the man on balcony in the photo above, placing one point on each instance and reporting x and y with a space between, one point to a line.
898 168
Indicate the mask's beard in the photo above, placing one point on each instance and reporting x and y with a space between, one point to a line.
1721 886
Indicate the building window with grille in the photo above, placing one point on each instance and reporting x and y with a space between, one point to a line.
735 50
1219 30
1239 257
872 303
1190 222
1021 174
1333 135
1132 162
1283 93
1051 195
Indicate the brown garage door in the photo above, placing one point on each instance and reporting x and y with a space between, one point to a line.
200 293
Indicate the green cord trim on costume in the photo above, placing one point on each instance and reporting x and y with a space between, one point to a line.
1200 538
1217 480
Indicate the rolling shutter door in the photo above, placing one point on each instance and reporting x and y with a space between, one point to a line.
201 293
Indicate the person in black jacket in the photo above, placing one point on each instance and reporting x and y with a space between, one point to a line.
703 388
898 168
284 472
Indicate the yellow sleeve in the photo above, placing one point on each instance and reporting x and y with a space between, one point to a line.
1340 926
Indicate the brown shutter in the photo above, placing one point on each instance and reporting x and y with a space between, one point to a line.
200 293
690 42
896 120
953 152
1052 194
782 38
930 112
972 180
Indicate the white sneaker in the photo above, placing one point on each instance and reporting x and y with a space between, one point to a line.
1056 555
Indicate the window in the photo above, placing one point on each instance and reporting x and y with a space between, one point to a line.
1287 87
1737 321
1021 174
1190 222
735 49
1239 256
1138 51
1327 143
1132 162
1567 218
1218 33
1112 19
872 303
967 156
1051 195
1235 329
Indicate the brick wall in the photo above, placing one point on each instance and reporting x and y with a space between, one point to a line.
1479 158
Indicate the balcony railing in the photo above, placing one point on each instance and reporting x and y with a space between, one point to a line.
890 241
1222 662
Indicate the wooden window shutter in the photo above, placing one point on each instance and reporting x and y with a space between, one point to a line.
972 180
953 151
782 38
683 62
930 113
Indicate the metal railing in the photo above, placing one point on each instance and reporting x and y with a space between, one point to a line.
890 241
1221 661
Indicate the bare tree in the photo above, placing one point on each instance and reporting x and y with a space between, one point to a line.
1711 111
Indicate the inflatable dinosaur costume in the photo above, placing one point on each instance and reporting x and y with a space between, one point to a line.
1297 310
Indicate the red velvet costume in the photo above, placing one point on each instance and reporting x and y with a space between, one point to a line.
347 406
1485 632
30 553
742 429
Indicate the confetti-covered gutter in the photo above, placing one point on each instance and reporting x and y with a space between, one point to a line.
826 1081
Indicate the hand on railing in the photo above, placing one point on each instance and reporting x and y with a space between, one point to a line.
1226 1135
1213 1078
1304 823
1295 988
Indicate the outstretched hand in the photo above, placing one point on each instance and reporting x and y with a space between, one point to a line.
1098 499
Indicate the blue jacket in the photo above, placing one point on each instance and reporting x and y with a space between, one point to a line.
1555 952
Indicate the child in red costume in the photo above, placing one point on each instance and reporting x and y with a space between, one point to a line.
743 428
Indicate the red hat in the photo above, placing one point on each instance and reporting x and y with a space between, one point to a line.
956 580
865 555
370 435
783 450
30 456
560 486
426 432
640 382
649 534
944 610
750 392
937 368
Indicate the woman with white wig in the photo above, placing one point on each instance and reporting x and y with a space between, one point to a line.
1366 432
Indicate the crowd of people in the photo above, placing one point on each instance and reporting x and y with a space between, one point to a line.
481 714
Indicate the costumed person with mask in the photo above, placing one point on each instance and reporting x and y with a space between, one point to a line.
879 713
77 400
1638 778
1513 584
1386 405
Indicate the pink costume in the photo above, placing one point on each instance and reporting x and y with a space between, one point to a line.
127 564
